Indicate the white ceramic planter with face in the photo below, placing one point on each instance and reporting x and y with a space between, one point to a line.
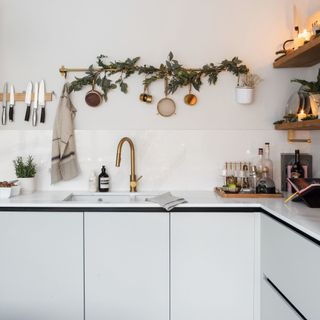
244 95
27 185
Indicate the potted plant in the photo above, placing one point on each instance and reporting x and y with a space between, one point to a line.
245 88
25 172
313 90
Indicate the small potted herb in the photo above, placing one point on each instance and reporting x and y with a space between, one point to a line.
245 88
313 90
25 172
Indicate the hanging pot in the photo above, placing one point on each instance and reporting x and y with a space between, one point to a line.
244 95
166 107
145 96
190 99
93 97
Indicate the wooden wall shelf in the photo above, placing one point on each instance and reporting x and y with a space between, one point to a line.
21 96
306 56
299 125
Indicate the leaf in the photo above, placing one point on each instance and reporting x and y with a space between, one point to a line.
124 87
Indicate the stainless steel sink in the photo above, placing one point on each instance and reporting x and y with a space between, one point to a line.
111 197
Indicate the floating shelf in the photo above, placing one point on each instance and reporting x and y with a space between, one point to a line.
306 56
299 125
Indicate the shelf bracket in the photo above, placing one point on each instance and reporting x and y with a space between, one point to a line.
291 138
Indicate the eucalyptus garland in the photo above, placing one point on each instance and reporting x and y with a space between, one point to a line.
111 75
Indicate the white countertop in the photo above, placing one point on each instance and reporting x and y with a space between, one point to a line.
296 214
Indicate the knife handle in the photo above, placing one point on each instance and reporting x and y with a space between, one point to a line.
43 115
27 116
34 117
11 113
4 116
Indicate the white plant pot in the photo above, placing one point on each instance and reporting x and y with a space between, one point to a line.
27 185
244 95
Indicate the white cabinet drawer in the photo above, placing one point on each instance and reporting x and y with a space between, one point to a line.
274 306
292 263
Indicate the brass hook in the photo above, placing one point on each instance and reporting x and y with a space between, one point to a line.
63 72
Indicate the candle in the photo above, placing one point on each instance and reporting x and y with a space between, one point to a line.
306 35
301 39
301 115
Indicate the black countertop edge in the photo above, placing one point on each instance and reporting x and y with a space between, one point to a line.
132 209
150 209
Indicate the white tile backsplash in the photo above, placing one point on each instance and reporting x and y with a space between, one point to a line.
168 160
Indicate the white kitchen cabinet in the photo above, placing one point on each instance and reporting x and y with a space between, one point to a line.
127 266
292 263
274 306
41 266
213 266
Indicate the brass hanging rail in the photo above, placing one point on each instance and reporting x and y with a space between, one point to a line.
64 71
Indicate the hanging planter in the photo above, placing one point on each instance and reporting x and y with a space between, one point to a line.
245 88
244 95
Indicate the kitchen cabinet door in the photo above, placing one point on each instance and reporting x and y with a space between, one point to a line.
41 266
213 271
274 306
291 262
127 266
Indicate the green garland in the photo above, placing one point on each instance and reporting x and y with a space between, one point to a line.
172 70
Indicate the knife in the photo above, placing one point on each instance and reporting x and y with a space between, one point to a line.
11 105
42 101
35 105
4 104
27 101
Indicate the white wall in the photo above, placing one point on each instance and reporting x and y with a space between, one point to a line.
38 36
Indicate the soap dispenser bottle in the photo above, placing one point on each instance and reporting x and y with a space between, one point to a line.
103 180
93 182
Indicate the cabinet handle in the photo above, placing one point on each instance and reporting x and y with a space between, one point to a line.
285 298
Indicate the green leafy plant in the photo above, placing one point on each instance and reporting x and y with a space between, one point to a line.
310 86
172 70
25 169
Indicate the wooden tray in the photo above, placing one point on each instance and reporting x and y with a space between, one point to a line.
223 194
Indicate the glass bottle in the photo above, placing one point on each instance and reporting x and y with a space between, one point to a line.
253 179
259 165
267 161
265 184
297 170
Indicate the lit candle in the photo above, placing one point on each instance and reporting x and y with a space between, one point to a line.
306 35
301 115
301 39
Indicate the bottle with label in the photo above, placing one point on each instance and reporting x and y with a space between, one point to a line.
259 164
297 170
267 161
265 184
103 182
93 183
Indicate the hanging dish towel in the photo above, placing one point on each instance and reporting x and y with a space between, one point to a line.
64 165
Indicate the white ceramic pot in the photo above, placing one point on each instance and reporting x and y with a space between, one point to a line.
244 95
27 185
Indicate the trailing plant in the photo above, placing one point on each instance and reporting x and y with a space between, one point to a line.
310 86
249 80
25 169
172 70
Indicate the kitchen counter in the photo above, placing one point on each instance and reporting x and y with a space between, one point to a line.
297 215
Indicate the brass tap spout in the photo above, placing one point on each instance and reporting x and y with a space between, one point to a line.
133 179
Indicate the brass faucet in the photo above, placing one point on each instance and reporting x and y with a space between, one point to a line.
133 179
